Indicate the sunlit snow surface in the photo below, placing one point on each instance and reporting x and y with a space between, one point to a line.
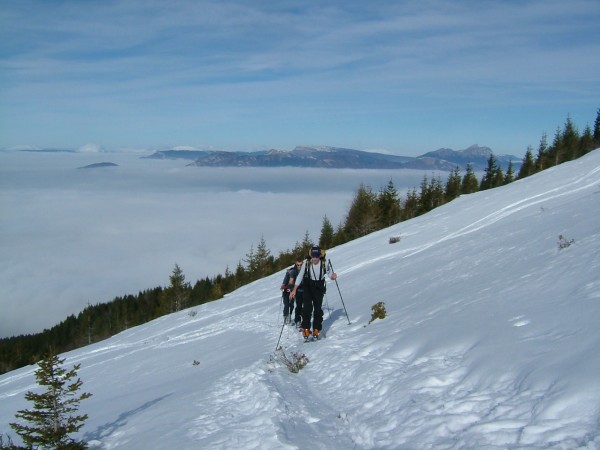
491 341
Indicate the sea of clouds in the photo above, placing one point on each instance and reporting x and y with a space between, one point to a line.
72 236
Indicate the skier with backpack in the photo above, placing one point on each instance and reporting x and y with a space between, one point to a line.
312 276
286 288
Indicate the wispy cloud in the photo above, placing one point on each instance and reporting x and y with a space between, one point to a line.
204 68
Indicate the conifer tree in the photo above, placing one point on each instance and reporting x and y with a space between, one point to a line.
326 238
541 159
493 175
388 206
425 196
510 174
437 192
361 219
264 260
251 263
302 248
411 205
569 144
554 150
178 293
470 183
528 166
586 143
52 419
453 185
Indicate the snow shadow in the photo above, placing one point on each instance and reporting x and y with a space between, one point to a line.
109 428
330 316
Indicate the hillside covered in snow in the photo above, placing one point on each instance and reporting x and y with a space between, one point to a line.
490 341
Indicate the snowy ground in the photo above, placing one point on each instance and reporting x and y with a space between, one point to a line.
490 342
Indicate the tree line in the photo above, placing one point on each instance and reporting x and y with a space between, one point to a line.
369 211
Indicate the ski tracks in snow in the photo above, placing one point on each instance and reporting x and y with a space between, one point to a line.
402 398
590 180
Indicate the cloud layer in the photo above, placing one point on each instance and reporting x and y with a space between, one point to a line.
71 236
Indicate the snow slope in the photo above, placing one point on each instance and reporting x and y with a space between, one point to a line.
491 341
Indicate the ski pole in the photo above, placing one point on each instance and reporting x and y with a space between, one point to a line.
282 326
280 333
340 292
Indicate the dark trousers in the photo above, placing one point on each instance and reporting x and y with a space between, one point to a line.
298 300
288 305
312 304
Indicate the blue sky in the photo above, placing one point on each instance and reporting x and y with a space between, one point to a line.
398 76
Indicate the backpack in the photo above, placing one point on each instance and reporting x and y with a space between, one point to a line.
308 264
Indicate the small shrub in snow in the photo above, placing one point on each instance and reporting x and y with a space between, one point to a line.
394 239
379 311
294 363
563 242
192 313
196 363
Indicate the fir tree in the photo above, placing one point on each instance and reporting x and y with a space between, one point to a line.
470 183
411 205
361 219
251 263
510 174
437 192
53 419
326 238
388 206
453 185
596 133
569 144
554 150
264 260
541 159
586 143
528 166
177 295
493 176
425 196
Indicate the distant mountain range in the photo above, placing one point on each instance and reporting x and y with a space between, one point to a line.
341 158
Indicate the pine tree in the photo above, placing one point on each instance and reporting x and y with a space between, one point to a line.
528 166
596 133
388 206
361 219
586 143
470 183
411 205
326 238
251 263
541 159
554 150
453 185
493 175
177 295
425 196
569 143
264 260
53 418
510 174
437 192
